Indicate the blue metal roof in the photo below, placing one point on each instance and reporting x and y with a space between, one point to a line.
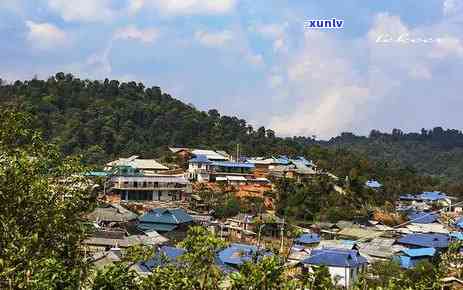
166 216
200 158
373 184
97 173
282 159
422 217
145 227
407 197
305 161
166 255
308 239
432 195
233 164
457 235
335 257
238 254
420 252
407 262
425 240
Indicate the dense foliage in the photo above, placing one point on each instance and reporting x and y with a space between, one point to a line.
41 199
436 152
106 119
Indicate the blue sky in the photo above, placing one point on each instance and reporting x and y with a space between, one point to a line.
255 59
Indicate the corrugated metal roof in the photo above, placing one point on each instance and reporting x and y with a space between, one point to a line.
373 184
200 158
233 164
156 227
135 162
236 178
335 258
308 239
420 252
422 217
210 154
457 235
152 178
238 254
425 240
432 195
166 255
166 216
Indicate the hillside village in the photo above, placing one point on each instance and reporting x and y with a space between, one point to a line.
144 202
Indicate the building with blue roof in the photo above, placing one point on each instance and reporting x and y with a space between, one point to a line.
164 220
437 241
344 265
456 236
432 196
374 184
459 223
410 257
422 217
199 168
237 254
307 239
165 256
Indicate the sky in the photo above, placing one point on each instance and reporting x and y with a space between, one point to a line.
393 64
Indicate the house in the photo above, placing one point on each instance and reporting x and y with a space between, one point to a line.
237 254
410 257
425 200
111 214
199 168
164 220
373 184
437 241
106 239
209 167
231 169
151 187
307 240
358 233
344 265
422 217
165 256
379 249
145 166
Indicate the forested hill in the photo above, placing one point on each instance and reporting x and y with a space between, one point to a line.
436 152
106 119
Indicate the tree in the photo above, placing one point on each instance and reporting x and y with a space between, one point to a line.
201 248
266 274
42 197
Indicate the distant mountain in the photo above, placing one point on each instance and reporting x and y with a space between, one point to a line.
435 152
102 120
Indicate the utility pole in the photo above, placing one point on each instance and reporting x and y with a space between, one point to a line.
282 235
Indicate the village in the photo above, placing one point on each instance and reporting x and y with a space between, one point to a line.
144 202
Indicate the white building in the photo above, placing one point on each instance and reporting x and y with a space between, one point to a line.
344 265
145 166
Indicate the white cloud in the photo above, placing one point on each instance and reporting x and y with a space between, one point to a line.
420 72
275 81
325 89
447 46
135 6
148 35
45 35
254 59
214 39
453 7
187 7
274 32
83 10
